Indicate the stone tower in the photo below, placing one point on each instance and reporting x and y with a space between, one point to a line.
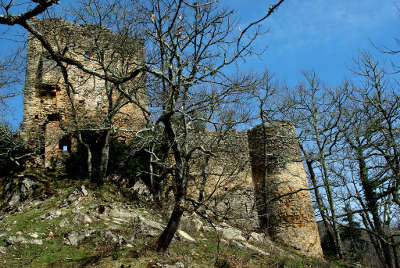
51 114
283 202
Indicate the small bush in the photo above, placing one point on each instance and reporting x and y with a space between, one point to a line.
13 153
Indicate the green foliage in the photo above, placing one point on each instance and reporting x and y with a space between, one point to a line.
12 151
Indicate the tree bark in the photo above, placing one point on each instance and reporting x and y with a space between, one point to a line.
327 186
180 183
89 161
320 204
89 154
204 178
168 234
395 254
370 196
338 240
105 155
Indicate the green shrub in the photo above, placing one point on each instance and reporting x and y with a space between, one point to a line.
13 153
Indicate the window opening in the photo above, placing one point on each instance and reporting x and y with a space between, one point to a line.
54 117
48 89
65 144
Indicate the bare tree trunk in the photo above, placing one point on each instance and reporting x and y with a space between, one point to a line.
370 196
105 155
173 224
88 158
320 204
327 186
155 182
204 176
180 184
395 254
338 240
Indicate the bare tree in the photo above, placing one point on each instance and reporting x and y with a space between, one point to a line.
10 79
7 7
188 45
371 132
265 89
316 112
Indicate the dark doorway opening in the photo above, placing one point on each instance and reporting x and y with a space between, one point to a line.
54 117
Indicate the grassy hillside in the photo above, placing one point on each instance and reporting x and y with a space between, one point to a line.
69 223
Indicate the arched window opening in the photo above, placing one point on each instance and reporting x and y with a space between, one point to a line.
65 144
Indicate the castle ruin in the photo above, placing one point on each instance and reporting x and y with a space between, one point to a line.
283 202
52 114
268 157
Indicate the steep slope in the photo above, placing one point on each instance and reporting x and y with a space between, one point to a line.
47 222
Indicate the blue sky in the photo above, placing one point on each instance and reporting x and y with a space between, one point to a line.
320 35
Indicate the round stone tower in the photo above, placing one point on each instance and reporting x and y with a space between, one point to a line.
282 197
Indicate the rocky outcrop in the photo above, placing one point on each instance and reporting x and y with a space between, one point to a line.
111 230
14 190
74 238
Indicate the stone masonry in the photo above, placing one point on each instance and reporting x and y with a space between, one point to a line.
51 114
266 158
279 175
225 176
267 161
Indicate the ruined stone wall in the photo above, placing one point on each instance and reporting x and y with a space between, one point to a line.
51 116
225 176
243 167
278 173
229 174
